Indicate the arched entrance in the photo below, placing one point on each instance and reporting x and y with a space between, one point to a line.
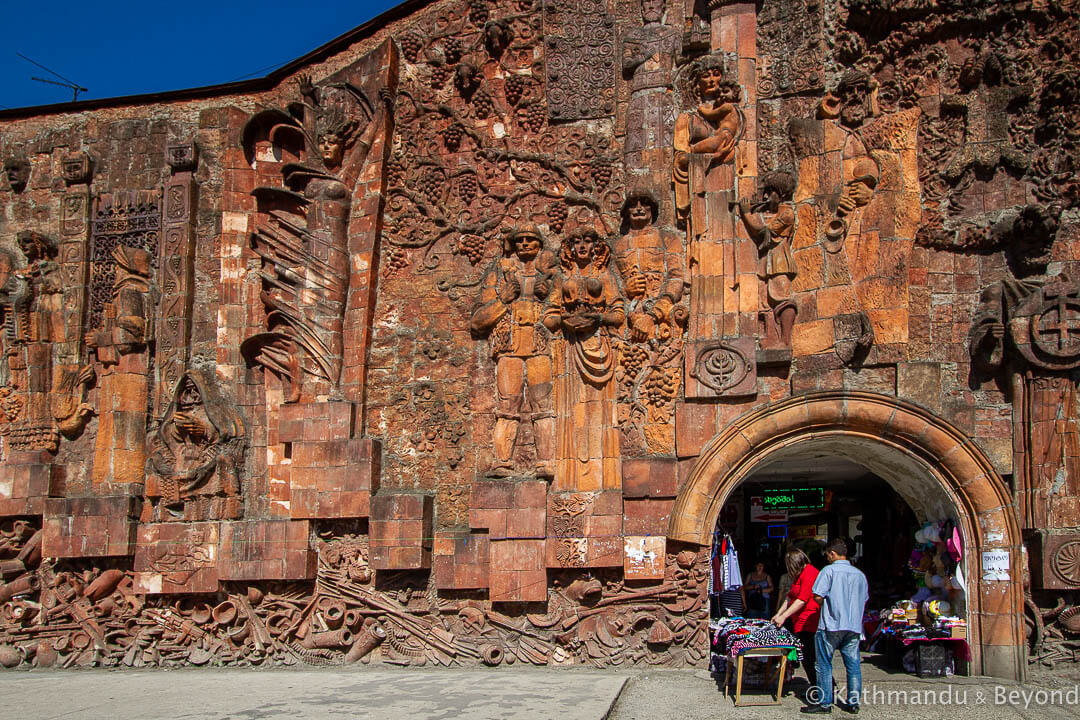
925 458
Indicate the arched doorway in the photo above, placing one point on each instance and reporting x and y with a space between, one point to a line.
925 458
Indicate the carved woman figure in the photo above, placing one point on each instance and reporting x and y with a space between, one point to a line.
196 453
586 307
305 252
703 168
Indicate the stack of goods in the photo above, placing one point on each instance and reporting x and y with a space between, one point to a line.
904 612
732 635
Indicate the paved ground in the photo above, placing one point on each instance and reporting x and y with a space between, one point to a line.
503 694
238 694
695 695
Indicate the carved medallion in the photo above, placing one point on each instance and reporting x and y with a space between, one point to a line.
722 367
1056 330
1066 562
1046 326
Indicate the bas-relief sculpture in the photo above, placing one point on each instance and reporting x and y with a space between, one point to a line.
551 292
510 311
1026 327
304 243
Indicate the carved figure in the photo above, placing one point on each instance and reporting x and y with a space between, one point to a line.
122 347
586 307
509 311
652 269
17 171
13 291
649 54
196 454
305 249
771 224
705 140
129 317
45 311
984 104
1029 326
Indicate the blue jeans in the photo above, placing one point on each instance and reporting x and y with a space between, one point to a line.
828 642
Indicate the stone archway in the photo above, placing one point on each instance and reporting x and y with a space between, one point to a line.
893 438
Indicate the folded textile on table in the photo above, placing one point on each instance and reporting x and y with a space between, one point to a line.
737 634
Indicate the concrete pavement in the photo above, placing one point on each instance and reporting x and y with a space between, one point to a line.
513 693
243 694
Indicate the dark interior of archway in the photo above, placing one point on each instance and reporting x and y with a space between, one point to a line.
858 504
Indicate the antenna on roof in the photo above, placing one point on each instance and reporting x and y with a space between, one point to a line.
75 87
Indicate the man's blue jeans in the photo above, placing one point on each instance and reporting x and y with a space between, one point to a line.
828 642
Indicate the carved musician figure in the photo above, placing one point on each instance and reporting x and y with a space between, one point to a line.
771 224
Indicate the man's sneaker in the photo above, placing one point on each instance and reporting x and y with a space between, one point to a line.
816 710
848 707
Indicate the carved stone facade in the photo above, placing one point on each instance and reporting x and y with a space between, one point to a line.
412 352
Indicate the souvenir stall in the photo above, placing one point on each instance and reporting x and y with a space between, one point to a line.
747 651
737 640
926 634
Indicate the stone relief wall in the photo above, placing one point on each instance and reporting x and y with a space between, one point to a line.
406 358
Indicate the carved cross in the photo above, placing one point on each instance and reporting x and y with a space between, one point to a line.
1062 320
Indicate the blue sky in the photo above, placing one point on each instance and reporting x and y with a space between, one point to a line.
126 48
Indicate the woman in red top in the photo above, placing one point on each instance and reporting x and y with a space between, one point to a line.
800 606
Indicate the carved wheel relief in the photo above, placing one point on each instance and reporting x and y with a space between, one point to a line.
1066 563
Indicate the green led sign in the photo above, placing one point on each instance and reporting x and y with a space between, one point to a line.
793 499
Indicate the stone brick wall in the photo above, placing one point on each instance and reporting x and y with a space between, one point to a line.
406 351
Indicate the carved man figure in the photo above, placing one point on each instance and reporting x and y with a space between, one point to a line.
652 268
196 454
509 311
121 348
649 55
586 306
17 171
705 139
771 223
1029 326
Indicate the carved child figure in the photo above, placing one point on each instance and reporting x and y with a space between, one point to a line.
771 224
509 311
653 271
